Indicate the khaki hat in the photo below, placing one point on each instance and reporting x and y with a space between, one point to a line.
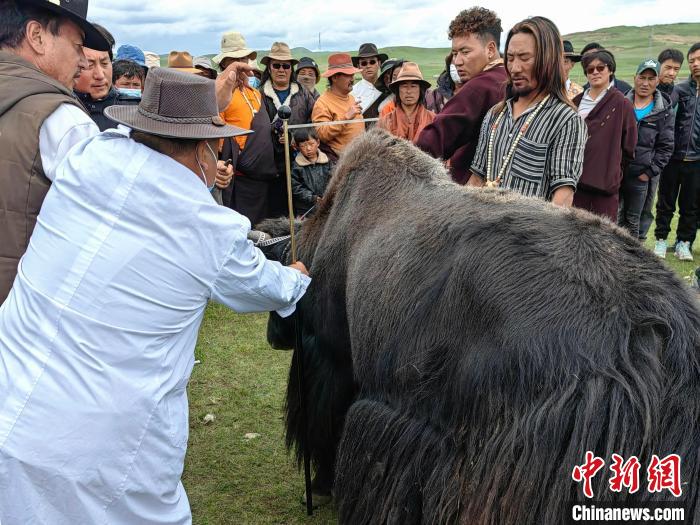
182 61
176 105
279 51
152 59
340 63
410 72
233 46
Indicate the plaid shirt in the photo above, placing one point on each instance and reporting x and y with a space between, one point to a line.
549 155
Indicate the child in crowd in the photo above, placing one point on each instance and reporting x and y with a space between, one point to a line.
311 171
128 77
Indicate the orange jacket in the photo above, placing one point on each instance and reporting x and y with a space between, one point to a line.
240 111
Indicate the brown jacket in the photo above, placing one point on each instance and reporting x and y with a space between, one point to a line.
27 98
612 138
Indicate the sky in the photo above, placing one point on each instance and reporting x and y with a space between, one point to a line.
164 25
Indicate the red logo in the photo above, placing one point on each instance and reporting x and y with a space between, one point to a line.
586 472
625 474
665 474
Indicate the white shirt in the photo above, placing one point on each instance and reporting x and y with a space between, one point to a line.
98 333
62 130
365 93
587 103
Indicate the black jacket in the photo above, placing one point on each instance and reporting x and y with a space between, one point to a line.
309 181
687 121
654 138
301 103
96 107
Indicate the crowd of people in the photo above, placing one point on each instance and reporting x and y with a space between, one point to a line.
124 236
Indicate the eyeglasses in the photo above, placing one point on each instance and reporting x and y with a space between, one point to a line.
599 69
277 65
370 62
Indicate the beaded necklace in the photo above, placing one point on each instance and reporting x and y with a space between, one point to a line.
490 180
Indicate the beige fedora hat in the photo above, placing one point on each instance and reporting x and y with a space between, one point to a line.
176 105
410 72
182 61
233 46
279 51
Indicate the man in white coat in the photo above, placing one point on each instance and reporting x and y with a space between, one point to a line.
98 333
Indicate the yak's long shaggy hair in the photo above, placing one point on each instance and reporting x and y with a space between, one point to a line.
483 342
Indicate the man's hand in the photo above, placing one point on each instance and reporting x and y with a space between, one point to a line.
644 177
224 174
234 76
355 110
299 266
563 196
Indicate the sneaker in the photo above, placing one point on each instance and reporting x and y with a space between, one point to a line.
683 251
660 248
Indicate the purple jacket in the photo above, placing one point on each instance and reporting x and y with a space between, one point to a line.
454 133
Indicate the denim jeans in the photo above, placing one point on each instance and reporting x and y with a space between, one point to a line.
636 196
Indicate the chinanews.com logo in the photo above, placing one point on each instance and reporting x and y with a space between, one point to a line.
660 475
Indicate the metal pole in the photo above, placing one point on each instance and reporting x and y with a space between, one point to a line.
284 112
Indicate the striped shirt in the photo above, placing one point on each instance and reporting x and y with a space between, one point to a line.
549 155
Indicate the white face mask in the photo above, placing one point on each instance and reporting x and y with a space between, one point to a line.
204 177
454 75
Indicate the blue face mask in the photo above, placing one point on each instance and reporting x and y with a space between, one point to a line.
254 82
127 92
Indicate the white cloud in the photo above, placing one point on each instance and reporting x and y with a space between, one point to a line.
161 25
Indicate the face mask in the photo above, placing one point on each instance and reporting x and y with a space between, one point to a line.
128 92
201 170
454 75
254 82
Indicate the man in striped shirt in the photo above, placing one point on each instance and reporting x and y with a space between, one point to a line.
533 141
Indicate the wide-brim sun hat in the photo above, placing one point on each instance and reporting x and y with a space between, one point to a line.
410 72
176 105
233 46
76 11
340 63
569 52
279 51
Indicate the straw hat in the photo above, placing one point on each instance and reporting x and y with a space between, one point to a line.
340 63
233 46
279 51
152 59
182 61
176 105
410 72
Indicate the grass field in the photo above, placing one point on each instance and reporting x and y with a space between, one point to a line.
236 480
630 45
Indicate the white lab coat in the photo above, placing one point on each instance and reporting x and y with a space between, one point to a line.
98 333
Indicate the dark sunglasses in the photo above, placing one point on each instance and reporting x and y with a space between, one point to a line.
369 62
599 69
283 66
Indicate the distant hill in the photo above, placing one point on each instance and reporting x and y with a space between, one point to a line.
630 45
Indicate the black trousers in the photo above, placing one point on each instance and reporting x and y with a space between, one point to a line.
248 197
680 181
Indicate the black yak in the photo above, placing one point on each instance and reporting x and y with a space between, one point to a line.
464 349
